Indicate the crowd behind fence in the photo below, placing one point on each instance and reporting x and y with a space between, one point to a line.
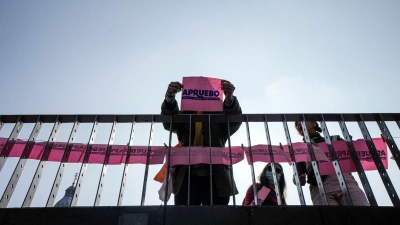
48 153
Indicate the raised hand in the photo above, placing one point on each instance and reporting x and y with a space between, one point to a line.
173 88
228 88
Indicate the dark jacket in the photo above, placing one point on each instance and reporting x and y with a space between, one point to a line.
219 136
306 168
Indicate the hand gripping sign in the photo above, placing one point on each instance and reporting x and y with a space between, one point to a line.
201 94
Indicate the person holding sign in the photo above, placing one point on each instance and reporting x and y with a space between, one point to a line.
266 188
331 183
200 173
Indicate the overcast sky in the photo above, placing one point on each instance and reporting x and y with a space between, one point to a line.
117 57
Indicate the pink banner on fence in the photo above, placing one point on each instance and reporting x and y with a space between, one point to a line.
2 143
201 94
301 152
180 156
35 152
17 150
345 161
138 154
118 154
261 154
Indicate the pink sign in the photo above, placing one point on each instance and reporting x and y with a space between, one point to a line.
118 154
179 156
345 161
261 195
201 94
199 154
301 152
261 154
35 152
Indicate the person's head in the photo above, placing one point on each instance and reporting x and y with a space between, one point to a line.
311 127
266 177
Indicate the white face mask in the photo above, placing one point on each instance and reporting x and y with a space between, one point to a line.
270 177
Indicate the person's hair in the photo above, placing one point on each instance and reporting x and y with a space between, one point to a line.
281 183
317 127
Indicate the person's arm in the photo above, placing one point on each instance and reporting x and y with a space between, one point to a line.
249 196
170 105
231 104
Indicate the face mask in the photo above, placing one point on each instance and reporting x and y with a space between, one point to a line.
270 177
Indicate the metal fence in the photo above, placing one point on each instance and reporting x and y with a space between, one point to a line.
95 120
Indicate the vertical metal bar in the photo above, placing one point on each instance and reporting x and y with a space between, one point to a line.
146 172
168 163
251 161
10 142
105 163
126 166
209 145
357 163
389 139
12 183
271 156
1 123
189 166
314 162
398 120
230 160
61 167
293 158
84 163
39 170
335 162
378 163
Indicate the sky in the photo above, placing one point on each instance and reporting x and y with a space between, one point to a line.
103 57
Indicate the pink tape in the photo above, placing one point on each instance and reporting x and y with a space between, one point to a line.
345 161
301 152
261 154
138 154
180 156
